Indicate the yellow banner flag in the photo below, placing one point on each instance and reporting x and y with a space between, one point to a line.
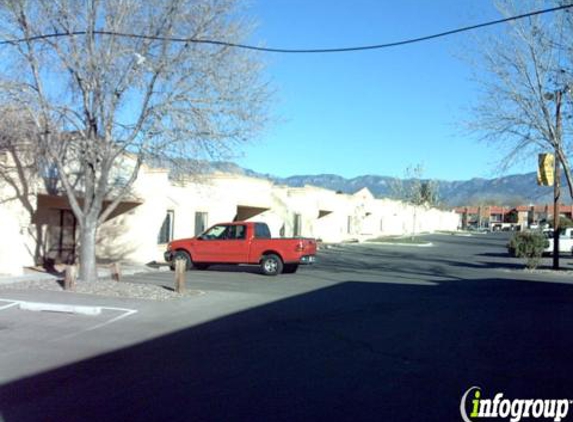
546 170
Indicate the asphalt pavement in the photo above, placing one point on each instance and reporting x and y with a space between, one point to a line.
371 333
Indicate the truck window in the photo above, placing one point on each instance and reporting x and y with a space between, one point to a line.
216 232
235 232
262 231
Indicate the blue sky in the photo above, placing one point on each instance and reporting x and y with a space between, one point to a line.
374 112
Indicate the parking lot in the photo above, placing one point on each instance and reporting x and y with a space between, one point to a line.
372 332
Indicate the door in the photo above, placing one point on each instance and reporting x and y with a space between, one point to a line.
234 246
209 245
223 243
61 237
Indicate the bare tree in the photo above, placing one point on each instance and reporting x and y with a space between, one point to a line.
525 72
414 190
104 99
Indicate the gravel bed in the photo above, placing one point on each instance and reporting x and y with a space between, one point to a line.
105 288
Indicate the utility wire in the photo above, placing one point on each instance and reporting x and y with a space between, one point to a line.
287 50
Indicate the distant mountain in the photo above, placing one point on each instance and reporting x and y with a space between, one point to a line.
507 190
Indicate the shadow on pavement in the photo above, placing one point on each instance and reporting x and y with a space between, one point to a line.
357 351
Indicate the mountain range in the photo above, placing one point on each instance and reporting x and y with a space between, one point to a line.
512 190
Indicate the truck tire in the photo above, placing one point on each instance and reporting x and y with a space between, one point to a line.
290 268
271 264
182 255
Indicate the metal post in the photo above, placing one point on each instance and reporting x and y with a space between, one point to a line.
557 181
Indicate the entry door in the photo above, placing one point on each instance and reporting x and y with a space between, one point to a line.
62 237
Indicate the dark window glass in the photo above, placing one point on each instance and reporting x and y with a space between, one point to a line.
262 231
240 232
166 231
234 233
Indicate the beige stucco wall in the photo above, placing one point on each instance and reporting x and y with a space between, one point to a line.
133 236
17 244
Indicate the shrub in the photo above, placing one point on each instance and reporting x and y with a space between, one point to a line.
528 245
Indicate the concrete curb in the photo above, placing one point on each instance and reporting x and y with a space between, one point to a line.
10 279
454 234
59 307
414 245
102 273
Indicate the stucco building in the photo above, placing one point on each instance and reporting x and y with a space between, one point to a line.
38 225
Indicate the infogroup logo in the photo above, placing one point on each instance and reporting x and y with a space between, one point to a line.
513 409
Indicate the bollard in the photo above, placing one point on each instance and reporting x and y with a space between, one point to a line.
180 265
70 278
115 269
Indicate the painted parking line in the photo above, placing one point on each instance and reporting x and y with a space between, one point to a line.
70 309
10 305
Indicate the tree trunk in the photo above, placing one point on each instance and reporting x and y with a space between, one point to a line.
88 269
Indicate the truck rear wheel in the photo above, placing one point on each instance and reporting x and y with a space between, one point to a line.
184 256
271 264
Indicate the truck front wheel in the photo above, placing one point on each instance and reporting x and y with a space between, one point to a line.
271 264
184 256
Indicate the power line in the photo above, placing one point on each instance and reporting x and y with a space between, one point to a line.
287 50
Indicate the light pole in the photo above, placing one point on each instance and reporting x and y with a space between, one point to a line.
557 177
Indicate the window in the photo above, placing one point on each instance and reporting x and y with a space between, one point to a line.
225 232
262 231
166 231
349 225
297 228
238 232
201 222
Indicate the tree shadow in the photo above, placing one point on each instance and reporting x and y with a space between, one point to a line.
355 351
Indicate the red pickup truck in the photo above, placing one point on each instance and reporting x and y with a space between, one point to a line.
242 243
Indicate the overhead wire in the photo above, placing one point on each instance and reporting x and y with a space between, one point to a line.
289 50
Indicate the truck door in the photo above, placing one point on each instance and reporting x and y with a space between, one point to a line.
209 248
224 243
234 244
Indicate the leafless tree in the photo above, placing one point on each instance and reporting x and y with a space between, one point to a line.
525 71
414 190
104 101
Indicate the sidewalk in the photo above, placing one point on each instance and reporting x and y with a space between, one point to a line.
104 272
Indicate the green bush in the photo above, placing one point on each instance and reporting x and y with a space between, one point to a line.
528 245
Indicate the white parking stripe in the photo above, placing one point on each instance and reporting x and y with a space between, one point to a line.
10 305
126 312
